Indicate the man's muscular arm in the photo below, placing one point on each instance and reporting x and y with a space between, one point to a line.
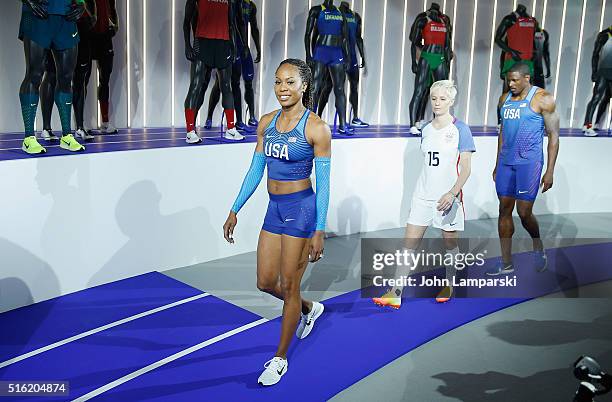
548 109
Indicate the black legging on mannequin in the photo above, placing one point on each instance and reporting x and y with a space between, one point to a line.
602 85
215 94
603 108
200 78
421 88
47 90
353 78
337 77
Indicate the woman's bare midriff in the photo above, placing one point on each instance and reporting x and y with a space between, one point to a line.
287 187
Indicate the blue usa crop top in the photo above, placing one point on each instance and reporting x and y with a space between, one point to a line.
289 156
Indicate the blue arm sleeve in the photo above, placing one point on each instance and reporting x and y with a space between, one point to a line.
322 170
251 180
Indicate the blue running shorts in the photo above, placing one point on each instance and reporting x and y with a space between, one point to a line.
292 214
521 182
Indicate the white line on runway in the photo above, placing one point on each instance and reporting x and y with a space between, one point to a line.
99 329
167 360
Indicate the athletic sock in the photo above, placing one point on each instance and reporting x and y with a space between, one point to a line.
29 104
229 118
451 271
190 119
104 111
63 101
401 272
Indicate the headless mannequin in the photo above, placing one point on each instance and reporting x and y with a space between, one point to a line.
353 72
509 55
64 61
430 35
335 68
79 92
200 72
601 63
501 40
237 70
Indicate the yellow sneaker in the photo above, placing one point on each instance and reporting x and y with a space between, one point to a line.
388 299
31 146
69 143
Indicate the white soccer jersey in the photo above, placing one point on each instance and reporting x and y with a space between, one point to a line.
441 149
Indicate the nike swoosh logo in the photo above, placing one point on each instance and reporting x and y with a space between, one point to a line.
33 104
523 192
75 34
68 103
453 224
27 146
83 65
66 142
287 220
281 371
506 105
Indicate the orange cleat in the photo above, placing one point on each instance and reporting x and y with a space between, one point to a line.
445 295
389 300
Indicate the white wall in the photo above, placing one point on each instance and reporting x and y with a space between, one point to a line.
154 63
68 223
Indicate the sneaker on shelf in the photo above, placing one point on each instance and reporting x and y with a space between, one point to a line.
359 123
108 128
233 134
31 146
193 137
83 134
48 135
69 143
253 122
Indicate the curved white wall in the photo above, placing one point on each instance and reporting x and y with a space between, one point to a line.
68 223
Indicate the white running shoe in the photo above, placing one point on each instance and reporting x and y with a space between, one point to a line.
307 320
415 131
275 369
589 131
234 135
83 134
48 135
193 137
108 128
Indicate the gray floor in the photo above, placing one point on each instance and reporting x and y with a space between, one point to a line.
522 353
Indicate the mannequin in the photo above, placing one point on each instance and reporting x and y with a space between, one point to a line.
431 52
241 67
601 75
541 57
49 25
327 27
355 42
515 36
214 47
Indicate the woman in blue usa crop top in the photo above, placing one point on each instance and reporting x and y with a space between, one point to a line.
289 140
